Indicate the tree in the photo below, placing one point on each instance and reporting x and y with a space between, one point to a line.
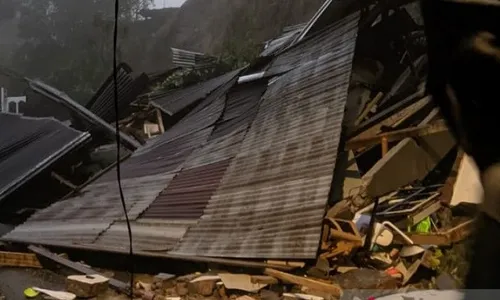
69 43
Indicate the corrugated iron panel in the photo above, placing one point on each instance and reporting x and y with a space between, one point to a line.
29 145
166 156
148 235
330 40
215 150
175 101
102 103
58 232
279 43
82 219
190 59
188 194
241 107
272 198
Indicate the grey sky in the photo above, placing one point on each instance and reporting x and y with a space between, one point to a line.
168 3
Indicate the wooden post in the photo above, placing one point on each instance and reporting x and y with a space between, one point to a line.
385 146
160 121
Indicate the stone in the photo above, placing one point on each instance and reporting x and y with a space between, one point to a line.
182 288
365 279
203 287
86 286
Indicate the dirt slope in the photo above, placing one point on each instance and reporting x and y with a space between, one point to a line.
206 25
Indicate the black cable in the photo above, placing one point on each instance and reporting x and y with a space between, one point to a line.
118 142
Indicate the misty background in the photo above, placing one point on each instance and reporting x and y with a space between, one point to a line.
68 43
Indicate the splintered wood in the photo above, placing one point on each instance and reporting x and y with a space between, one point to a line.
21 260
333 289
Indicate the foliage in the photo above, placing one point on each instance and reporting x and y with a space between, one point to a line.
69 42
186 77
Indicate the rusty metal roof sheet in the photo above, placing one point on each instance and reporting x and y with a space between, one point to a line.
30 145
148 235
129 87
188 193
81 219
175 101
279 43
189 59
96 215
241 107
276 165
284 168
329 40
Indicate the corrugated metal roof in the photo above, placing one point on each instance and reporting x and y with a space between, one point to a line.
272 198
29 145
187 195
330 40
175 101
83 218
241 107
279 43
189 59
129 87
96 215
148 235
274 172
85 114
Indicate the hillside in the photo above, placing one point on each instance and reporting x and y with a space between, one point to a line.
209 26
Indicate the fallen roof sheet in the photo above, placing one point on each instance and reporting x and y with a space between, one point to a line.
129 87
275 160
94 218
30 145
62 98
279 43
332 39
189 59
172 102
283 170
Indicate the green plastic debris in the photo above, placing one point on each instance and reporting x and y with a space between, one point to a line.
423 226
30 293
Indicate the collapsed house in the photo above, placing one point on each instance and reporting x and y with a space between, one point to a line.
333 116
37 151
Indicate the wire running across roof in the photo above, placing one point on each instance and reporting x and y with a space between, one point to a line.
29 145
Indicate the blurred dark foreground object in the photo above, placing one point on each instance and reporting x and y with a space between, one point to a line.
464 80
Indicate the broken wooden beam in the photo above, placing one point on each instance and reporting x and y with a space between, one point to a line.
445 238
118 285
159 118
397 135
19 260
333 289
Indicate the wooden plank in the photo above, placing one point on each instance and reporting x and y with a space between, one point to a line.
369 107
390 117
262 279
333 289
118 285
21 260
63 180
446 238
437 127
160 120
